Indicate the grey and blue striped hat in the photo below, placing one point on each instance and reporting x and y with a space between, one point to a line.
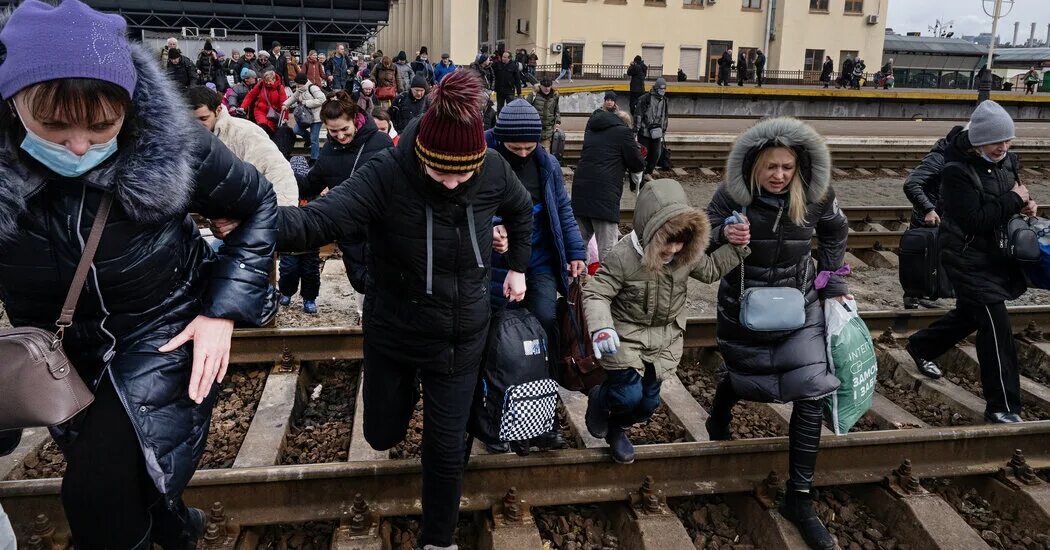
518 122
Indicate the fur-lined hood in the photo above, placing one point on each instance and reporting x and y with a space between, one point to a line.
814 159
153 174
662 211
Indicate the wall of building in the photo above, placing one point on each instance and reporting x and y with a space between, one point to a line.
452 26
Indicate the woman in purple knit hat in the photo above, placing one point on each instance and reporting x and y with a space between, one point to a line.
151 332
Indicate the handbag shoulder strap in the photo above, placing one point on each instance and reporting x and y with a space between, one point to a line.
65 319
744 212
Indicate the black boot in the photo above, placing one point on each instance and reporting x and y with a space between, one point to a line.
798 509
597 417
718 430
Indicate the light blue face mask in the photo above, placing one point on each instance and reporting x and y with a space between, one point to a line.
990 159
64 162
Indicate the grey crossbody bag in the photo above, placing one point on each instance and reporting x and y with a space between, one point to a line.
771 308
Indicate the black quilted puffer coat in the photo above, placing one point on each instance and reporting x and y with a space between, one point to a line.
780 366
427 295
153 272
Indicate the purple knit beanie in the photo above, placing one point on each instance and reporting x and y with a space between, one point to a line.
93 45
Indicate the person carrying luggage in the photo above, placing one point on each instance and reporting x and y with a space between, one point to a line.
635 308
980 192
923 189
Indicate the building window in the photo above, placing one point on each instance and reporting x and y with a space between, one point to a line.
752 4
854 6
818 5
814 60
656 3
693 3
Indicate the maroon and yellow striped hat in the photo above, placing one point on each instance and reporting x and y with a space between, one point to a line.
451 135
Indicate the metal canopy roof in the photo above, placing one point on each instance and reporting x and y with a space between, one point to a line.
338 19
1033 56
933 45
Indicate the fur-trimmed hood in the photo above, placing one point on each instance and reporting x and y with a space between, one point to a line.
814 159
662 211
153 172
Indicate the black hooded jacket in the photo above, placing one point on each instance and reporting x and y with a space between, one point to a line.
637 71
609 151
923 185
334 166
153 272
780 366
427 299
977 200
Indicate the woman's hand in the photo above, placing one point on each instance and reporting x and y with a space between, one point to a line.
738 234
1022 191
500 243
222 227
1030 208
842 299
576 268
932 219
211 352
514 286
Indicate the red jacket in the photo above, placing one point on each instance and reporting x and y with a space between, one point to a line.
255 98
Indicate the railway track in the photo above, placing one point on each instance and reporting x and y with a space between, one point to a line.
870 465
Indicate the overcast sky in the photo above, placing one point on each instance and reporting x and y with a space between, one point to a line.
969 17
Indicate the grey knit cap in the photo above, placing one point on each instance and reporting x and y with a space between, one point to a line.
990 123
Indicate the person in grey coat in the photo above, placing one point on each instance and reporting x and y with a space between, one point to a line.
778 175
650 120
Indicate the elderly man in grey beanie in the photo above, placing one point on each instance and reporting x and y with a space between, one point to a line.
980 192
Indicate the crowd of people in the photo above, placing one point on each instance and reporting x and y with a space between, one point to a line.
446 208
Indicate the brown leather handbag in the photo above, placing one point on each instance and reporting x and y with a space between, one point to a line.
577 368
40 387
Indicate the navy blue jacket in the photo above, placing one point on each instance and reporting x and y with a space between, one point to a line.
565 234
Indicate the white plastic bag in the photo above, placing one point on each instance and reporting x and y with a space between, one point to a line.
852 355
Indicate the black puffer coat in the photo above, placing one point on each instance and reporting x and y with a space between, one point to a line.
923 185
405 108
334 166
153 272
609 150
973 213
427 302
778 366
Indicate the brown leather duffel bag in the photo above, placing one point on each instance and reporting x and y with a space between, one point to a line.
578 369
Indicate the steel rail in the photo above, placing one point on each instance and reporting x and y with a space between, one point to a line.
276 345
293 494
869 214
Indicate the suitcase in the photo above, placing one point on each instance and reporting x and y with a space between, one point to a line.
921 274
558 145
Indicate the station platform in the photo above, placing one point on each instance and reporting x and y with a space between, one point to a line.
811 91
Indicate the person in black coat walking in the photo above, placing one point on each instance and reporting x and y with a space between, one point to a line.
826 70
651 122
725 66
180 71
846 78
980 192
507 79
760 67
741 67
409 104
638 70
610 150
428 206
353 140
151 334
923 184
778 175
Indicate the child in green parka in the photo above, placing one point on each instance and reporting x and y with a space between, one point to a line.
635 308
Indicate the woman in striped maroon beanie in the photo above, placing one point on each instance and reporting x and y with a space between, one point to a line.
428 206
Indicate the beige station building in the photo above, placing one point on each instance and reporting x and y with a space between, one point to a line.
673 34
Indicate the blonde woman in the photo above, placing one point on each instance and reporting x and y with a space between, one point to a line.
778 176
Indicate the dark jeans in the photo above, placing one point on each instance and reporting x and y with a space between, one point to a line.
655 149
758 76
996 351
390 394
109 499
628 397
803 433
502 99
312 135
723 77
635 96
300 267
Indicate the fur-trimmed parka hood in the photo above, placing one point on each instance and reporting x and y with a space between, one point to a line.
814 159
153 172
662 211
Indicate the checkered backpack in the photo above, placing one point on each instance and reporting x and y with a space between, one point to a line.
516 398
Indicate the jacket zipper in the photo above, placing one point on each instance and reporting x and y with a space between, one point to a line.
455 301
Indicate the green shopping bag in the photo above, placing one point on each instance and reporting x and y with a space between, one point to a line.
852 355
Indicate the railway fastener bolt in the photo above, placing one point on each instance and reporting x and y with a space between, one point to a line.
1032 333
1019 469
769 492
36 543
358 524
218 513
511 507
212 536
887 338
903 481
287 360
360 506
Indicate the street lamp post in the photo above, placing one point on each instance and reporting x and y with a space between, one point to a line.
984 86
